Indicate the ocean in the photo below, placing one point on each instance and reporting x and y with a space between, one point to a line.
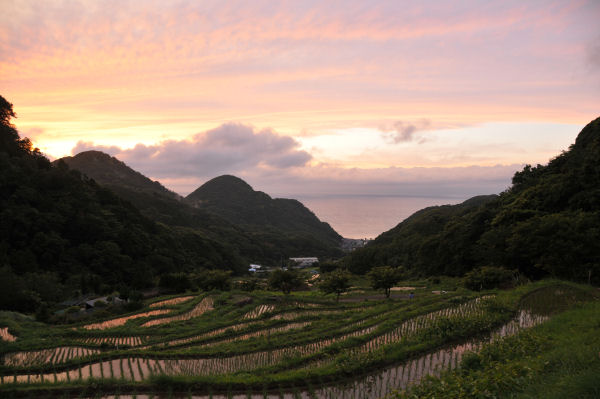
369 216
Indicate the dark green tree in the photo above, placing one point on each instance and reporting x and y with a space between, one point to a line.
285 280
178 282
215 280
488 277
336 282
385 277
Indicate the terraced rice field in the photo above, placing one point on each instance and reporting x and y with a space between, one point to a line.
171 302
122 320
46 356
115 341
298 345
209 366
204 306
259 311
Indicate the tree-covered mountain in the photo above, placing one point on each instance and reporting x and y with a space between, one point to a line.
150 197
285 226
256 227
62 234
546 223
112 173
234 200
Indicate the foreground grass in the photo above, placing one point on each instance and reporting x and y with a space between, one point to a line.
558 359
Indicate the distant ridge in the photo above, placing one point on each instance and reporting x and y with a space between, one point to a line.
109 171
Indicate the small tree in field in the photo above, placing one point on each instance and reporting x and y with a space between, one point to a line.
336 282
385 277
284 280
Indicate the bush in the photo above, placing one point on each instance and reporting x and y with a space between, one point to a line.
285 280
133 305
100 304
248 284
488 277
328 267
178 282
215 280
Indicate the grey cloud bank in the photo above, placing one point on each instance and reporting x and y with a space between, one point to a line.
275 164
229 148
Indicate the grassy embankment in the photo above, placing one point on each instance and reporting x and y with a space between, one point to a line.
557 359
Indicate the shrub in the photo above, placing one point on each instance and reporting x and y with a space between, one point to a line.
215 280
178 282
285 280
488 277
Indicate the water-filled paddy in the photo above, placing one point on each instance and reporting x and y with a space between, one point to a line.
299 343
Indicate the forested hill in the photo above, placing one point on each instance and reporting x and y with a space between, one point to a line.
255 226
150 197
111 172
546 223
61 234
233 199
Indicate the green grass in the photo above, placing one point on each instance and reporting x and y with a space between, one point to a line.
558 359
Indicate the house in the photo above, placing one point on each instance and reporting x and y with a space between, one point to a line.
254 268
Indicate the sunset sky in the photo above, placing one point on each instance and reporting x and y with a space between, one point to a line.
313 97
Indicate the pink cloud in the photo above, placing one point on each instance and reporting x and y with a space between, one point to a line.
229 148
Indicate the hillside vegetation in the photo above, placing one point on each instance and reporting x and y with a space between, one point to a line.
276 220
161 205
226 209
546 223
61 234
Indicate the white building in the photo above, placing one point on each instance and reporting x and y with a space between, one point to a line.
254 268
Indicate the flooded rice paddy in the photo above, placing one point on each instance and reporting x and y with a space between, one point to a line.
204 306
368 330
115 341
139 368
46 356
373 386
122 320
171 302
